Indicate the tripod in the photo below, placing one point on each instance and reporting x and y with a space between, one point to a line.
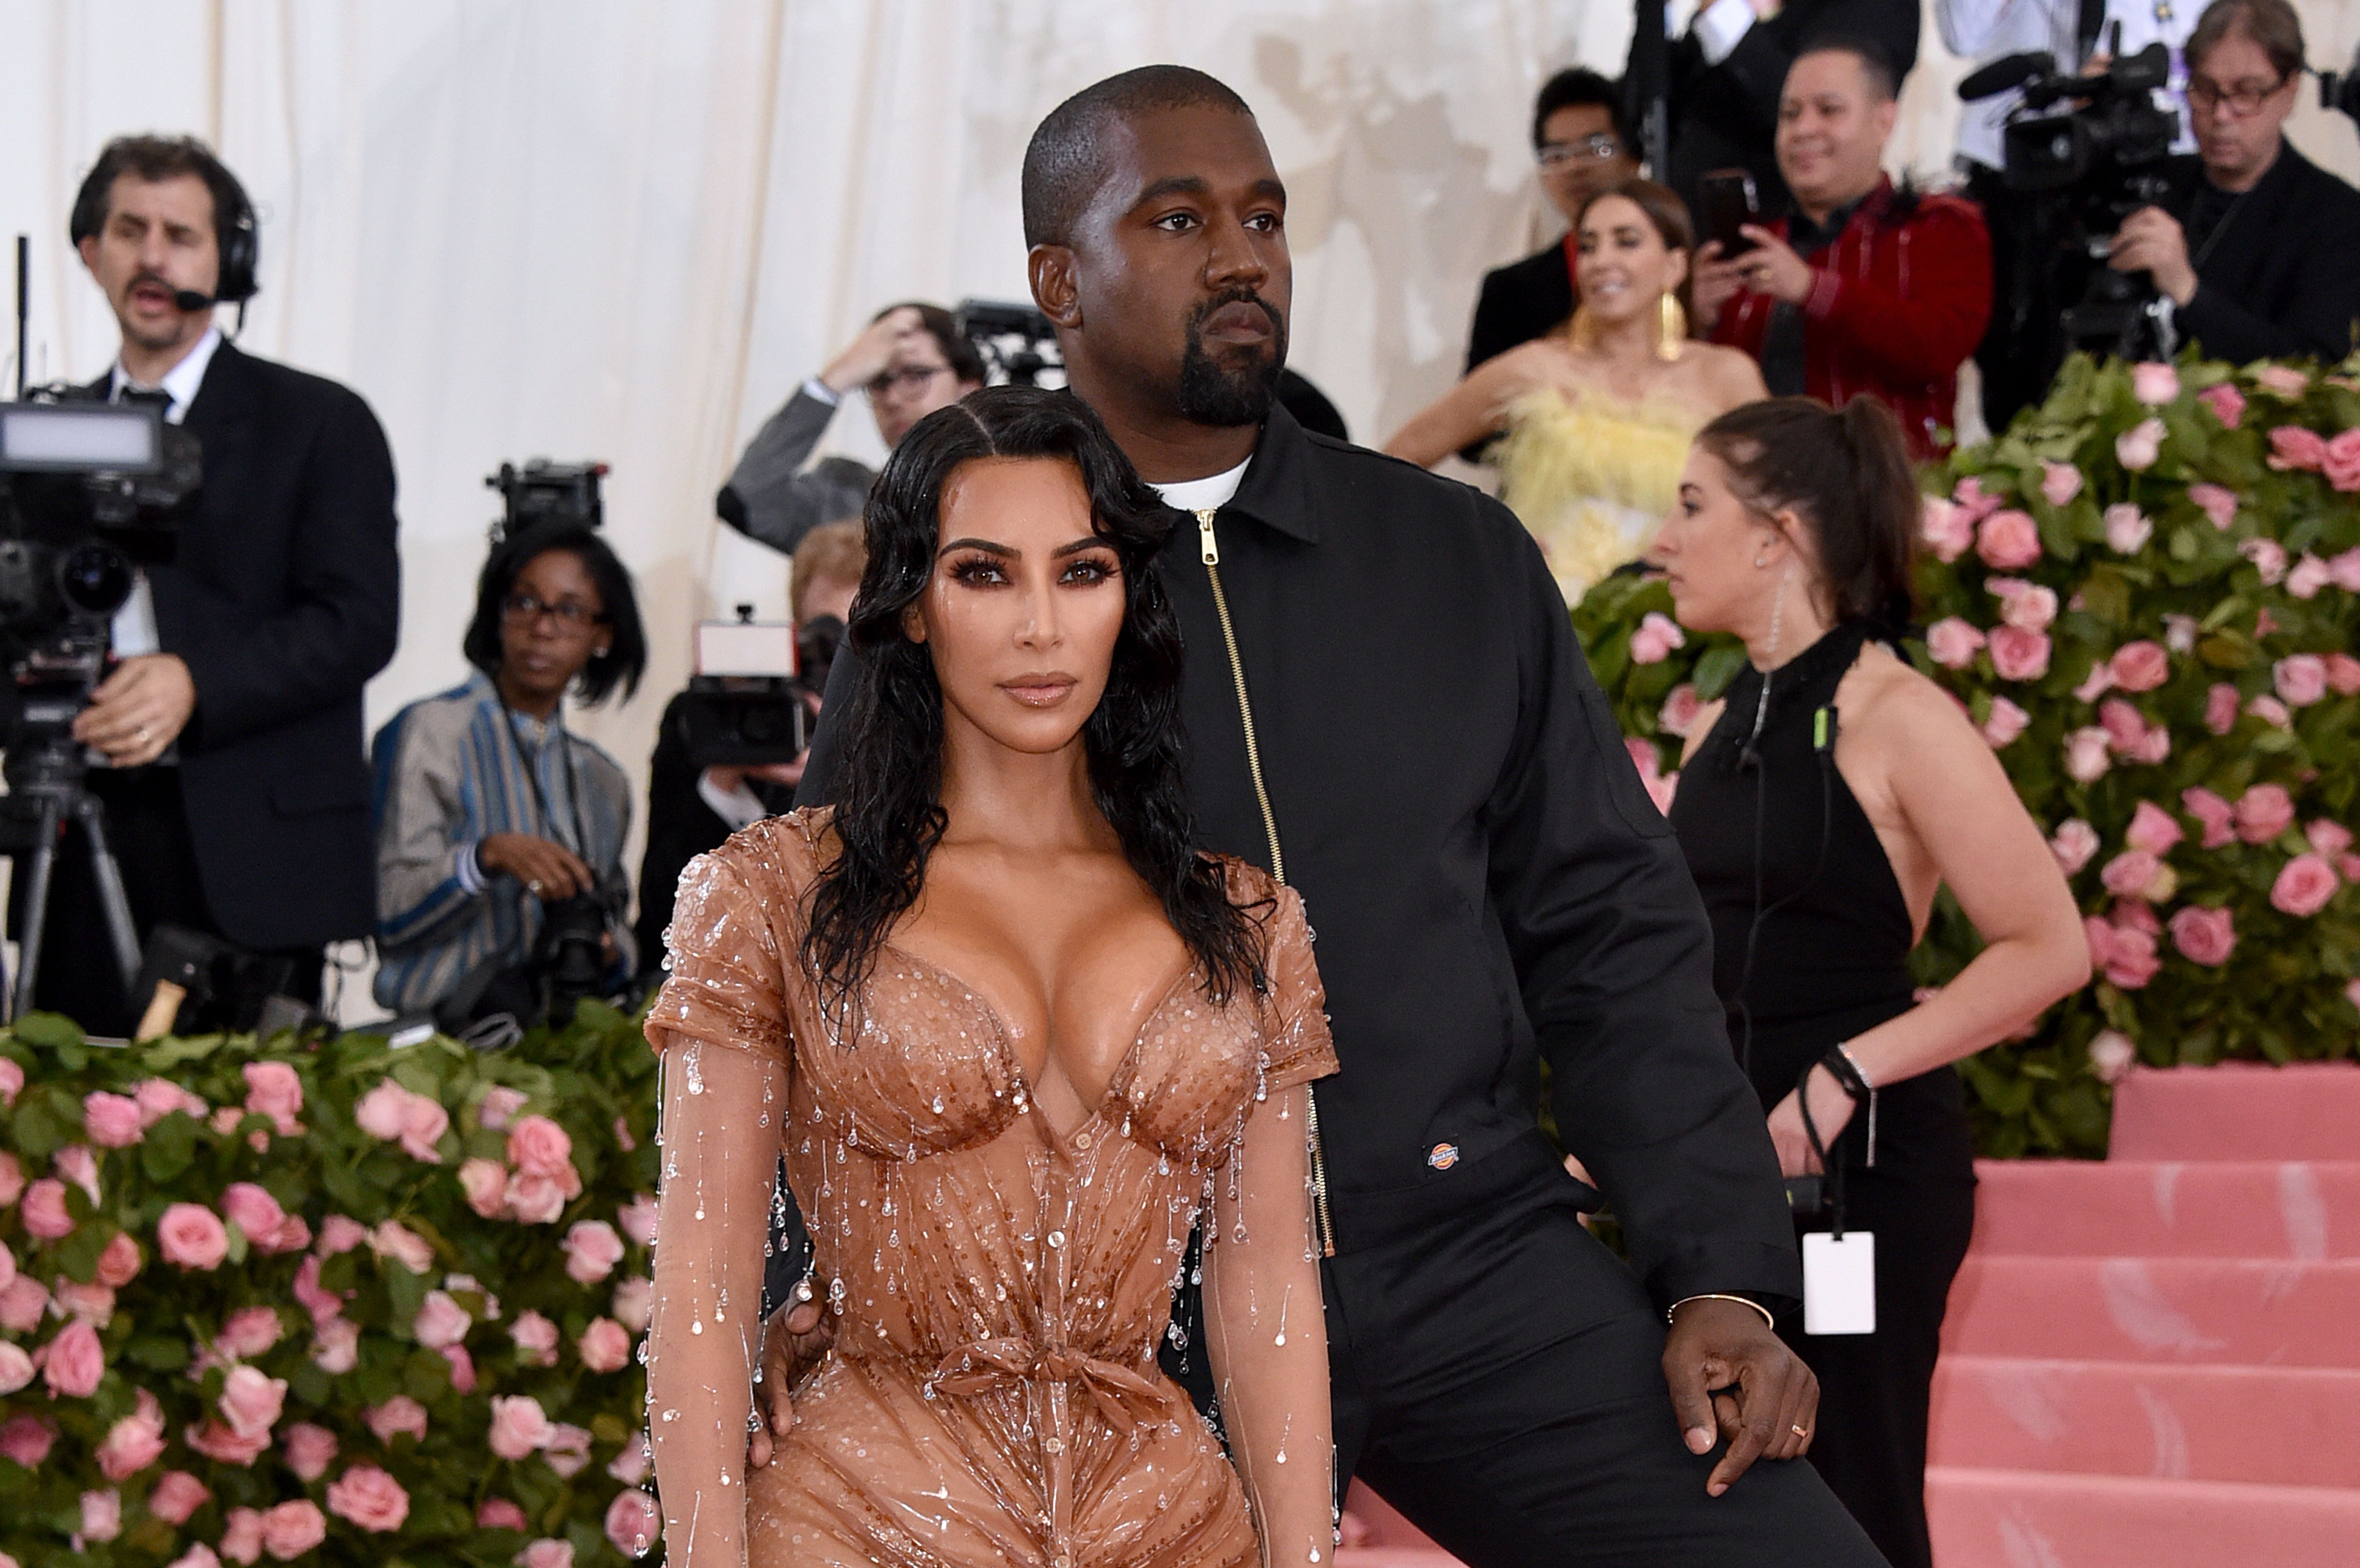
45 778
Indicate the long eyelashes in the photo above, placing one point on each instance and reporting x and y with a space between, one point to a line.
985 572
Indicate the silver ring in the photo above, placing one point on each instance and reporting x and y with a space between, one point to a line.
140 734
533 887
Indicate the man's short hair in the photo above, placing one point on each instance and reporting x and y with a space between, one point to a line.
1578 87
1065 163
1877 67
944 328
2270 23
155 159
832 551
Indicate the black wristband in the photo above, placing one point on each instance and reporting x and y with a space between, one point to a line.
1840 1067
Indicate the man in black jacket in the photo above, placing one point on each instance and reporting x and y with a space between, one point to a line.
1440 776
2256 252
237 798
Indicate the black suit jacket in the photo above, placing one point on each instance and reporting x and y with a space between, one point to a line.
1726 115
283 598
2281 278
1520 301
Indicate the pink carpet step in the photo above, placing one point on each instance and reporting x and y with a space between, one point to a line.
2240 1110
2299 1210
2273 1425
2226 1311
2024 1518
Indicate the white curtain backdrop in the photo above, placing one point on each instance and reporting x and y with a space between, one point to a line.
625 231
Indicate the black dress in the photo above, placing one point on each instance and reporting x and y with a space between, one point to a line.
1771 826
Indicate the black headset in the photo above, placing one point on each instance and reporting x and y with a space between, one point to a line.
234 222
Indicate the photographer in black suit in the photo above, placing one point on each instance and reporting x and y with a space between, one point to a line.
237 794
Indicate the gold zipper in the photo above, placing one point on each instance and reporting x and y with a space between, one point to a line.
1211 551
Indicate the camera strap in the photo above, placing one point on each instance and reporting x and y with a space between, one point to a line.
1833 1168
546 824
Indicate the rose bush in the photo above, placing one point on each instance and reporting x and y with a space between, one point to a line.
2146 595
256 1305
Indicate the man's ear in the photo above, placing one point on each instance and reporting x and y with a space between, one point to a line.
87 248
1888 114
1051 269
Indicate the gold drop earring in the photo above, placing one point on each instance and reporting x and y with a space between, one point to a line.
1671 326
1582 330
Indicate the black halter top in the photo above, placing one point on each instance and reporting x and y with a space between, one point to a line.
1769 826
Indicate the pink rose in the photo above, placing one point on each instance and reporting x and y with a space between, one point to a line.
240 1539
2180 633
2005 724
499 1513
535 1200
102 1515
381 1112
2087 756
423 1122
26 1440
253 1210
2309 575
634 1304
191 1236
2269 558
603 1345
160 1097
2293 447
2271 711
2304 885
2214 814
134 1442
2342 464
176 1496
404 1246
370 1498
2131 874
199 1555
93 1304
1951 642
462 1367
273 1090
396 1415
12 1082
2228 404
536 1338
632 1522
2141 665
1947 528
2008 541
2154 383
567 1450
2204 936
546 1552
2301 679
22 1301
2220 708
2017 654
340 1234
631 1465
119 1262
2330 839
1651 643
16 1368
2287 382
45 1210
251 1401
2025 605
485 1183
2096 684
293 1528
539 1147
2343 674
2217 502
2264 812
519 1426
309 1450
2128 731
323 1304
2153 828
111 1120
76 1362
2344 569
592 1250
2126 957
499 1107
1975 500
2073 844
77 1165
440 1320
12 1176
1678 712
2138 448
2060 483
216 1441
2127 528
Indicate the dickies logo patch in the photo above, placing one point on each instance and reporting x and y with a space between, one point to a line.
1443 1156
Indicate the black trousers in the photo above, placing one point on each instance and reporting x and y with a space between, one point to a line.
1875 1388
1498 1378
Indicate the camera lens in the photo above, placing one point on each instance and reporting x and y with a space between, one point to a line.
94 578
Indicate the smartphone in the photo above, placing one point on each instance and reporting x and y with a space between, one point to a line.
1729 202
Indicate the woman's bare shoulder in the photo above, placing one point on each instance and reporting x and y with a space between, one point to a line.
1886 698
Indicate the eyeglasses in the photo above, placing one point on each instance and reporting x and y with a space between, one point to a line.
1596 148
2244 100
573 615
908 378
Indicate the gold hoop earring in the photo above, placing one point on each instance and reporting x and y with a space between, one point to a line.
1582 330
1671 326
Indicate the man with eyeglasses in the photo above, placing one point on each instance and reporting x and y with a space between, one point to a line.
1581 147
910 360
2257 248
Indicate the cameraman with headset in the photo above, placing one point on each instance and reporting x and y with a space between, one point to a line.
231 718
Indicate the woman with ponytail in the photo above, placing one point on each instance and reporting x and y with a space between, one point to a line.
1823 800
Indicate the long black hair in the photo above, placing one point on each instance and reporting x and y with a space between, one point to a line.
626 659
888 813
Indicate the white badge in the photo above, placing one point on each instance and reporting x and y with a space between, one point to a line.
1839 1282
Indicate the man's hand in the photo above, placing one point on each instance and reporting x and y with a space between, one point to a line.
797 1336
1831 1109
1716 283
1773 268
547 870
1729 1372
2152 241
139 710
870 353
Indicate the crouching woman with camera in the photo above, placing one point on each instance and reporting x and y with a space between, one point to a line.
500 884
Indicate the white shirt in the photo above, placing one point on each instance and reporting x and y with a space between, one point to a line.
135 623
1208 495
1986 29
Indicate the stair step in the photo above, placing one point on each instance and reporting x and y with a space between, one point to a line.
2225 1312
2239 1110
2299 1210
2026 1519
2287 1426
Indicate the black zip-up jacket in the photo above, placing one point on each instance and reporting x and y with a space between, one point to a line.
1489 881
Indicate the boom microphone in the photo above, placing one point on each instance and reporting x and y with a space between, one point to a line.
2007 71
190 299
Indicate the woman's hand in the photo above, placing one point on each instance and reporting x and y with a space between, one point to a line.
1718 280
547 870
1831 1109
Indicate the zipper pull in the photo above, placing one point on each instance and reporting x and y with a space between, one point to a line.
1212 551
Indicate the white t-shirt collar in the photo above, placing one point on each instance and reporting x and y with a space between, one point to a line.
1207 495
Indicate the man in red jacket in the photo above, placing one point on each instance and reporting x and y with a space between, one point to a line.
1866 288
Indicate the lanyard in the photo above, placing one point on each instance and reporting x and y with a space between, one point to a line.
548 818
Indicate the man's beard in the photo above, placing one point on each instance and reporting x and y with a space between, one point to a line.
1214 394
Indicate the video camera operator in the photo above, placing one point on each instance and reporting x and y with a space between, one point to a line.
230 721
2255 248
500 831
911 359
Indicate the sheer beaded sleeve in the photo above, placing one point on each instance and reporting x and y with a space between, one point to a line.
1300 1047
727 980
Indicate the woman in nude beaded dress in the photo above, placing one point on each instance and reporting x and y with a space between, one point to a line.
1016 1038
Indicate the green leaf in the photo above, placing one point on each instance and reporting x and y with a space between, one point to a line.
167 1054
50 1031
160 1352
169 1147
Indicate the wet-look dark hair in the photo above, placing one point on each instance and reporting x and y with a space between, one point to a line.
626 659
888 813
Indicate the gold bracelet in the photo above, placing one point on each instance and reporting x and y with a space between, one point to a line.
1718 1296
